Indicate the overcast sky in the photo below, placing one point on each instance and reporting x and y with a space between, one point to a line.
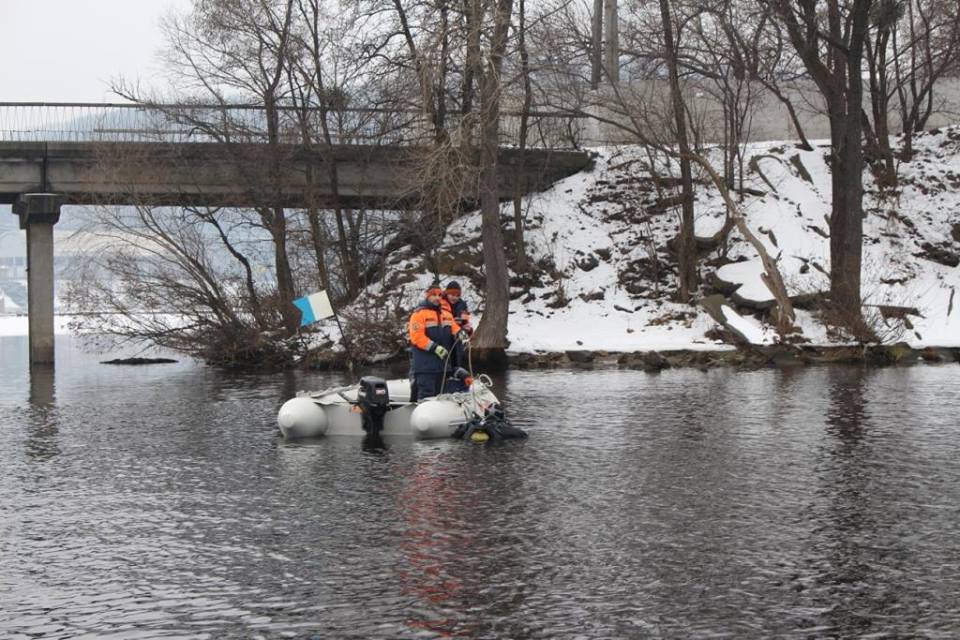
70 50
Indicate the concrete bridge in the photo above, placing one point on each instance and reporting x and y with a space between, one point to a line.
241 175
131 155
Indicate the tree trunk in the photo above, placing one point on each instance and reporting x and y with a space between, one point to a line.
729 138
613 41
278 222
474 17
880 104
596 44
846 215
440 90
285 289
686 246
423 73
906 153
792 112
343 244
520 181
317 237
845 278
839 79
491 335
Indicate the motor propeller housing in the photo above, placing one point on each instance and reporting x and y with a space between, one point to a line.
373 398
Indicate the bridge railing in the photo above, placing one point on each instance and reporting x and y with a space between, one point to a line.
193 123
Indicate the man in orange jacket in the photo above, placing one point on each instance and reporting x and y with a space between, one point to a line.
433 334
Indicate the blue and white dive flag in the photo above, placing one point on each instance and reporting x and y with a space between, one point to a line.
313 307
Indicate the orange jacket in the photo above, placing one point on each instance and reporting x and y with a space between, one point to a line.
459 311
428 327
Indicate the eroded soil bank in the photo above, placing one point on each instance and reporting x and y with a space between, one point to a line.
750 357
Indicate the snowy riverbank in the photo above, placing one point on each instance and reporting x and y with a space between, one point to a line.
18 325
604 273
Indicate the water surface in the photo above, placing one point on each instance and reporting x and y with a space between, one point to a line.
159 502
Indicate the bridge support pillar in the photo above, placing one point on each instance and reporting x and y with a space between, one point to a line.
38 213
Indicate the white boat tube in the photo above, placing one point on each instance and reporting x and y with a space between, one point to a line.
335 412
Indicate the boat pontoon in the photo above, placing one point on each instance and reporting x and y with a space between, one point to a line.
379 407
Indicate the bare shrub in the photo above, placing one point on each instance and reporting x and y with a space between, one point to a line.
375 327
884 316
165 276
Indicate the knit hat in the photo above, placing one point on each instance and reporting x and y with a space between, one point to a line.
453 286
433 289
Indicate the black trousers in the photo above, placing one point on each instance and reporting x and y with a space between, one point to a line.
426 385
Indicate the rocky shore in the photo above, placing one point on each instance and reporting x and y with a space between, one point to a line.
750 357
598 290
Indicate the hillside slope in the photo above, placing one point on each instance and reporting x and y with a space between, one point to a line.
604 274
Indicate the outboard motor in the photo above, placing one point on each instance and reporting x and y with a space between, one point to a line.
373 398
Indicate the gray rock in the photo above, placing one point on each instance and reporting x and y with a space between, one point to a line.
901 353
580 357
589 263
653 361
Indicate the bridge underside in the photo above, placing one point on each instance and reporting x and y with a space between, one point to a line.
227 175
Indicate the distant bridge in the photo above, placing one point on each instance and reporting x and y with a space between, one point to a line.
230 156
238 175
216 155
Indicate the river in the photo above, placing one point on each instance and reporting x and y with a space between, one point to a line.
160 502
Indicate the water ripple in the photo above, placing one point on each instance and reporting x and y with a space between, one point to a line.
813 503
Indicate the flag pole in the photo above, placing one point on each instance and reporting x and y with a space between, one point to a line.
310 314
344 339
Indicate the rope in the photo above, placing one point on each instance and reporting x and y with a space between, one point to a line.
473 392
443 380
446 360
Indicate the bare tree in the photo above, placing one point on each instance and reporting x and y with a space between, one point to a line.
431 69
491 334
686 246
925 47
226 47
642 108
596 44
315 100
651 116
829 37
775 64
611 19
456 52
884 16
184 278
267 80
720 52
520 182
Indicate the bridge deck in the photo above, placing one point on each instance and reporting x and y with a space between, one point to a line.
216 174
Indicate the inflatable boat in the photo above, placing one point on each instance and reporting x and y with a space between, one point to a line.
378 407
